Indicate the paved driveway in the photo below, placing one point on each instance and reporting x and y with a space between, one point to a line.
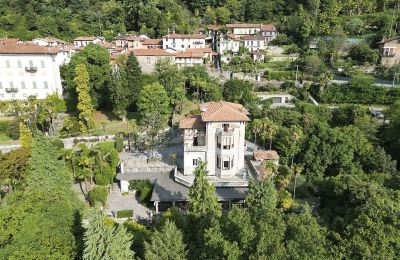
116 201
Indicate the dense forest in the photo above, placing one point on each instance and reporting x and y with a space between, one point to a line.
299 19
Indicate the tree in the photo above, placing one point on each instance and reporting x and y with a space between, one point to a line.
262 197
38 222
166 243
256 127
85 106
239 91
171 78
25 136
362 53
14 167
203 200
133 77
104 241
269 129
121 94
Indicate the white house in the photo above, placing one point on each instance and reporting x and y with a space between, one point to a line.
183 42
217 136
147 58
253 42
269 32
29 70
83 41
188 59
228 43
50 41
128 41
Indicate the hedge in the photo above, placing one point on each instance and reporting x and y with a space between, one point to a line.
4 126
367 94
98 194
280 75
119 143
125 213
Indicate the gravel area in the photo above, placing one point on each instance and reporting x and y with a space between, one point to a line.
117 201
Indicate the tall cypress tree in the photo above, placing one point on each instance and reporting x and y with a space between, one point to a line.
133 76
84 106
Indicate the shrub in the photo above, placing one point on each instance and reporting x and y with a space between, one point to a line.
119 143
98 194
140 234
105 174
125 213
13 129
57 142
143 188
284 199
4 126
280 75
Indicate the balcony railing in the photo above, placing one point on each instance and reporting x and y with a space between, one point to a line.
195 148
11 90
31 69
388 54
226 132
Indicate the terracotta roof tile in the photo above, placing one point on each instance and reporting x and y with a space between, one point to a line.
223 111
192 122
189 54
260 155
185 36
152 42
9 40
27 48
268 27
253 38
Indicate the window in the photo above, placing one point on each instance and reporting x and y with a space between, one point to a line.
148 60
183 46
30 63
218 162
34 84
22 84
225 127
1 85
232 163
46 85
19 64
226 165
218 141
8 64
195 141
195 162
42 63
1 95
13 95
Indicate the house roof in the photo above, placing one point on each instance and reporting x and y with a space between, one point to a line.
152 42
243 25
213 27
9 40
268 27
85 38
203 50
223 111
26 48
152 52
253 38
260 155
192 122
53 39
190 54
185 36
384 40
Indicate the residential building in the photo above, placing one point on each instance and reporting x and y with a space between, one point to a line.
390 51
50 41
129 41
83 41
28 69
253 42
188 58
228 43
269 32
183 42
258 56
147 58
216 136
152 44
10 40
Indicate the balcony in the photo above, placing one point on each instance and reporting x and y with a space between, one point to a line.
11 90
226 131
195 148
31 69
388 54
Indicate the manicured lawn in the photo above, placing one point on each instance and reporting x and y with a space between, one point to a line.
5 140
106 123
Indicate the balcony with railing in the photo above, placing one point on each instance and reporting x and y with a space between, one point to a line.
31 69
11 90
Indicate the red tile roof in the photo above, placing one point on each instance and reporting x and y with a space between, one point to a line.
27 48
152 42
253 38
243 25
152 52
223 111
9 40
189 54
268 27
192 122
185 36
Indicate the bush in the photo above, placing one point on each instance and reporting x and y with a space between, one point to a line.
284 199
104 175
98 194
57 142
4 126
125 213
280 75
119 143
13 129
143 188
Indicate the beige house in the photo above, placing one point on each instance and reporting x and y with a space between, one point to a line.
83 41
129 41
390 51
152 44
147 58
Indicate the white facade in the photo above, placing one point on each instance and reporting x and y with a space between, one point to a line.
254 43
183 42
228 44
24 75
81 42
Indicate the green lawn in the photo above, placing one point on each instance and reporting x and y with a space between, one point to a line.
5 140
